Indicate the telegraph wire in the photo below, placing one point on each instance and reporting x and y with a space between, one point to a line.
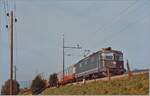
5 12
14 5
4 6
7 6
6 20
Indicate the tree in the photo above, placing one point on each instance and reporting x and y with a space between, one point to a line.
5 90
53 80
37 85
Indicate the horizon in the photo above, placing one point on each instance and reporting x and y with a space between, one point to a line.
123 25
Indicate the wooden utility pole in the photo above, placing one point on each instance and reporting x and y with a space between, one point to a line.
129 71
11 53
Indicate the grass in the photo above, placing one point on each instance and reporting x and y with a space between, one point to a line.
26 93
137 85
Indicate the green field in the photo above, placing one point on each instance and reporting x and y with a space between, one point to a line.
137 85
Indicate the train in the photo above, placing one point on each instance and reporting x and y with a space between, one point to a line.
96 65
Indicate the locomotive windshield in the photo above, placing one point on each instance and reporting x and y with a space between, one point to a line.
108 56
119 57
112 56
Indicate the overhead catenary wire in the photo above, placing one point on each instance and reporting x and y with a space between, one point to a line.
113 35
126 10
116 17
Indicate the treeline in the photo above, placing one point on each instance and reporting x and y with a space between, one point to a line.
37 86
5 90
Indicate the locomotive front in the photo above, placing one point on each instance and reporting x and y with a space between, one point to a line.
113 60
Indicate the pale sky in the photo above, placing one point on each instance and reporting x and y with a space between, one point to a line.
121 24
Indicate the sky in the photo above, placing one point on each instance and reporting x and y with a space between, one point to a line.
121 24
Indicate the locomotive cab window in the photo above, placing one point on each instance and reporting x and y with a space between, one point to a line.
108 56
119 57
80 64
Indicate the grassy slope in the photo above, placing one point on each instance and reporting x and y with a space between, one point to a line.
139 84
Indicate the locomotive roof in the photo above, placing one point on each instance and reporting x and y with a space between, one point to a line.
113 51
101 51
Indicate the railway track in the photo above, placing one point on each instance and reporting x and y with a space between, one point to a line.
112 78
101 79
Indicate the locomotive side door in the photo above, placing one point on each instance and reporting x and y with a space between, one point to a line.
103 59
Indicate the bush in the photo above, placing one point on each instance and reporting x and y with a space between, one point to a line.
53 80
38 85
5 90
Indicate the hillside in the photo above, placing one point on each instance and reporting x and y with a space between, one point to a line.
137 85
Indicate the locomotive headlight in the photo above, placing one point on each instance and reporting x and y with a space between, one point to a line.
114 63
121 66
